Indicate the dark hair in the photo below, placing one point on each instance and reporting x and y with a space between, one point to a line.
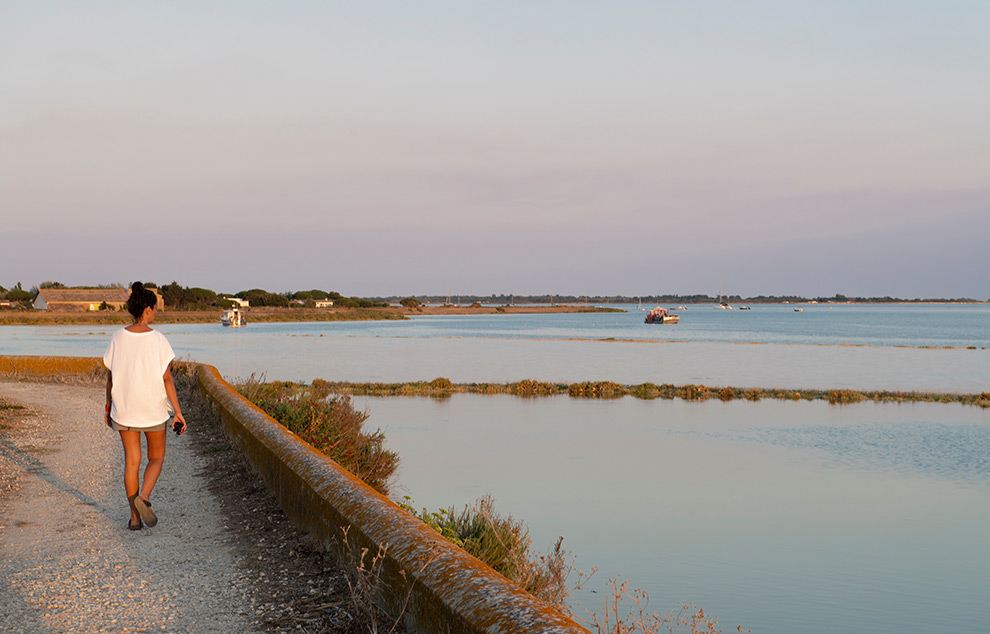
140 299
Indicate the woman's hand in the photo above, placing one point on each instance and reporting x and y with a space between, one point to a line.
179 424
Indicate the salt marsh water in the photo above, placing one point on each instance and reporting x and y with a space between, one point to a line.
780 516
785 517
858 347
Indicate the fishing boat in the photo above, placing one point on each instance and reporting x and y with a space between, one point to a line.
659 315
233 318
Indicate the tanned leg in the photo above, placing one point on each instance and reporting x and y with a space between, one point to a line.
156 458
132 466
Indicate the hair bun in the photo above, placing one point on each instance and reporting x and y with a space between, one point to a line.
137 287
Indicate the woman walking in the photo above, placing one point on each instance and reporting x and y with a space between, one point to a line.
141 398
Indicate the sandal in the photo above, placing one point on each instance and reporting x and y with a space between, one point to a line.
143 507
135 527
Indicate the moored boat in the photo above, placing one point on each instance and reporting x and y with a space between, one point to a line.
724 305
233 318
659 315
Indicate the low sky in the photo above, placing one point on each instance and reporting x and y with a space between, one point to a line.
568 147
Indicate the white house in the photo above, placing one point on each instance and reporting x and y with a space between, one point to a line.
243 303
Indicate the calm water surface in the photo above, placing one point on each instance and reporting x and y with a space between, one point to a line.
780 516
783 517
858 347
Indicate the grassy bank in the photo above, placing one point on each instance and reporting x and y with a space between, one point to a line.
441 387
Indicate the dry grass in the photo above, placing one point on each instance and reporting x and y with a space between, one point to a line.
625 610
45 369
329 423
504 545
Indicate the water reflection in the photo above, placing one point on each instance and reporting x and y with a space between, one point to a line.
781 516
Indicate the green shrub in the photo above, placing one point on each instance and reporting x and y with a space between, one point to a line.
328 423
531 387
597 389
645 391
692 392
441 384
504 544
844 396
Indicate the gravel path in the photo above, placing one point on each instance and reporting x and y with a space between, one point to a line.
68 562
221 559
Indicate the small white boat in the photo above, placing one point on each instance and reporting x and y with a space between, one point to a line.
745 308
724 305
799 310
233 318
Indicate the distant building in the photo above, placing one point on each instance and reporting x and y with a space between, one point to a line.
243 303
85 298
6 303
324 303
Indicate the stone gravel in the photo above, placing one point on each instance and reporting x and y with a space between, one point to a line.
68 562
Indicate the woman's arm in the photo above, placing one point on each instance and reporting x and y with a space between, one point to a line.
109 390
173 398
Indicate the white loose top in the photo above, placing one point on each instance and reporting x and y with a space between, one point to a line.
138 361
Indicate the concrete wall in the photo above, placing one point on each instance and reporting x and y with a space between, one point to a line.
439 587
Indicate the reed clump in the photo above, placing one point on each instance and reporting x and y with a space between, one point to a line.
691 392
441 384
329 423
442 387
597 389
531 387
504 544
646 391
844 396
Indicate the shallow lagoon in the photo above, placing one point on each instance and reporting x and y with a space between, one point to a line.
780 516
823 347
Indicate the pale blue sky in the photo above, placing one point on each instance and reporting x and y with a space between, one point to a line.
485 147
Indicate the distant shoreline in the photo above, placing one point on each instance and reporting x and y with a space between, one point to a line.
265 314
268 314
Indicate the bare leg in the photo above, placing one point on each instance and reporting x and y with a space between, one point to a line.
156 458
132 465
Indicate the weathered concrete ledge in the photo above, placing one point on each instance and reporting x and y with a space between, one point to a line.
438 587
447 589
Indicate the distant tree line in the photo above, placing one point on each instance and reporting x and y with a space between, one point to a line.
178 297
659 299
186 298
